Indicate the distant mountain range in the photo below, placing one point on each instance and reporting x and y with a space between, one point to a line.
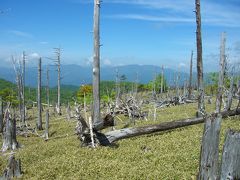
76 75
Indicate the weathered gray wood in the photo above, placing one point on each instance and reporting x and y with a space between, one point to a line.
109 137
23 89
48 91
208 168
201 105
1 115
39 121
12 170
46 133
190 78
58 53
9 135
230 168
230 94
162 79
221 74
96 64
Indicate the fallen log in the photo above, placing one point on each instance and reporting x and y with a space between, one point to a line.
112 136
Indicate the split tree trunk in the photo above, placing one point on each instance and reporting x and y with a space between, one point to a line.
39 122
13 169
96 64
208 168
9 135
190 78
230 168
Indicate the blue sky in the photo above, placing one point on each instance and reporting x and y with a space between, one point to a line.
153 32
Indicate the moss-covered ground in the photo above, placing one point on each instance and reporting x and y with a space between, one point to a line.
166 155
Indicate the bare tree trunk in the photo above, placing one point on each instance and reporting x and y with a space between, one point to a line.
190 78
112 136
46 125
230 94
39 122
58 53
230 168
47 93
96 64
117 88
23 90
13 169
9 136
201 105
1 115
162 80
221 74
208 168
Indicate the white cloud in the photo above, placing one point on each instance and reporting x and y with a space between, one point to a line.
33 56
182 65
43 42
107 62
20 34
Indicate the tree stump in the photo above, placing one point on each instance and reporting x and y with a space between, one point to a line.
12 170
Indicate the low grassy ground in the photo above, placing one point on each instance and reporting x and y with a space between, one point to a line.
166 155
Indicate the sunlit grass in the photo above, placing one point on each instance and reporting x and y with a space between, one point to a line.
165 155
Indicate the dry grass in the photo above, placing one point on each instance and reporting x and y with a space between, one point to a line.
166 155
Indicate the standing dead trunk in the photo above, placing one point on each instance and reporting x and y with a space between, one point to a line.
208 168
46 125
230 94
117 89
230 168
190 78
58 62
47 93
221 74
1 115
23 90
9 135
13 169
96 64
39 122
162 80
201 106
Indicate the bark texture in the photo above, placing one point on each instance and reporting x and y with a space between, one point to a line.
13 169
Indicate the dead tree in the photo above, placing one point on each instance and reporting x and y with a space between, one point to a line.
46 125
162 80
108 138
117 88
39 122
9 134
201 105
221 74
23 88
208 168
230 168
1 115
13 169
58 63
47 88
96 64
230 93
190 78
